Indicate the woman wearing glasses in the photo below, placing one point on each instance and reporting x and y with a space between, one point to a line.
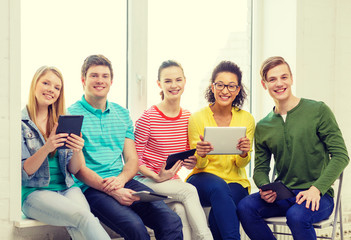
221 180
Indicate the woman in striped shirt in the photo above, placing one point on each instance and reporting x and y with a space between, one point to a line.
160 131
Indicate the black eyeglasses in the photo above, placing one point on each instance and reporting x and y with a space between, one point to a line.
220 86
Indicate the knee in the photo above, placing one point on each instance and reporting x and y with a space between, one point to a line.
245 205
137 226
188 192
84 216
296 217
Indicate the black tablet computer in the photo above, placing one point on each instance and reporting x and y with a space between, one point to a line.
146 196
173 158
282 191
69 124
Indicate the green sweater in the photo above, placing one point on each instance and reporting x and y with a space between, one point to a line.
308 148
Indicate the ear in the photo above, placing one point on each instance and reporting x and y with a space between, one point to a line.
238 90
263 84
158 83
212 88
83 82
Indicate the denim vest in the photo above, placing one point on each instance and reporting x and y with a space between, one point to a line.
32 141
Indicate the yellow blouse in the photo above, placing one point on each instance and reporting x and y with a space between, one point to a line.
231 168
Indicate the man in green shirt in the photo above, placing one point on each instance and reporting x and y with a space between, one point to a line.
309 153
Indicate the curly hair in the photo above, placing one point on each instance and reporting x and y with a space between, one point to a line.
227 66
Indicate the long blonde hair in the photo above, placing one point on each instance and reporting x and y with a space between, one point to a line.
54 110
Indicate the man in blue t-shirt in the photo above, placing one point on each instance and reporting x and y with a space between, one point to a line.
107 183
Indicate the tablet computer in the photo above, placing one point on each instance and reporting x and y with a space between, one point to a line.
146 196
282 191
69 124
173 158
224 139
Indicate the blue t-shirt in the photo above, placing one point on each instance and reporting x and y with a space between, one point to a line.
104 134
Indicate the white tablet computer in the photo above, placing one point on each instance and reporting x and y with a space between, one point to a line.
224 139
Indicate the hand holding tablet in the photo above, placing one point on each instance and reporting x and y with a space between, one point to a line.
173 158
69 124
282 191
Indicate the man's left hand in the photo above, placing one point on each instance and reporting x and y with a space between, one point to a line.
312 197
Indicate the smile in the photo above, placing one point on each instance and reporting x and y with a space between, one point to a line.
225 98
99 87
174 92
280 90
48 96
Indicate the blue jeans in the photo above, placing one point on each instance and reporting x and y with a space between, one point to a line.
252 210
223 198
67 208
130 221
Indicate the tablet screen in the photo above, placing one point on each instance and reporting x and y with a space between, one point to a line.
173 158
69 124
224 139
282 191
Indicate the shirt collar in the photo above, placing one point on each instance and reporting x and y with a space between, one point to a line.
25 115
92 109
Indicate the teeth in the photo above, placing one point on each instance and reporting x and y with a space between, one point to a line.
281 90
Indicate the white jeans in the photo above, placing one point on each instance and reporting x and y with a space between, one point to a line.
67 208
185 202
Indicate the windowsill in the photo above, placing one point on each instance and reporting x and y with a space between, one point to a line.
26 222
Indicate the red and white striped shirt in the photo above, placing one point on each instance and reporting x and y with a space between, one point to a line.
157 136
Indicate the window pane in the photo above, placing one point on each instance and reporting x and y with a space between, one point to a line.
63 33
198 34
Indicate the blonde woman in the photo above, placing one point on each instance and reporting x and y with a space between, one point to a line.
49 193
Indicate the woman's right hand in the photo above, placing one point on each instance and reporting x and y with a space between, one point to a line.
55 140
164 174
203 147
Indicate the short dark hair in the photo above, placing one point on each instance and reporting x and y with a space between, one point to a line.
227 66
96 60
270 63
167 64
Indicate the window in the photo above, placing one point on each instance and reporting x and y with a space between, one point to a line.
197 34
63 33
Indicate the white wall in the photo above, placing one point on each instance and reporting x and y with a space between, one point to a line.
9 114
